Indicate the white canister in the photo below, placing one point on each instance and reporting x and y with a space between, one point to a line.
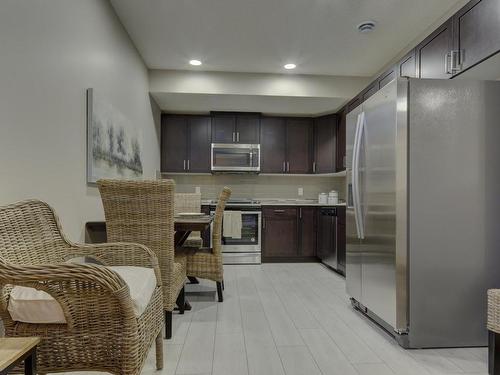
322 198
333 197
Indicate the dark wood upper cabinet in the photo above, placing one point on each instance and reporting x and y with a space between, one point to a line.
386 77
477 31
199 144
369 91
341 140
185 143
307 231
248 129
174 143
235 127
354 103
273 145
325 142
433 53
299 145
406 66
279 232
223 128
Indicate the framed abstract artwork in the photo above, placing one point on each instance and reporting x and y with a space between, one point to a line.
114 144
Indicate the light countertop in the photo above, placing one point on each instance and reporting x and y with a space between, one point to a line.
286 202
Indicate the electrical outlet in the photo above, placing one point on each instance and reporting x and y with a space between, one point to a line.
197 190
301 191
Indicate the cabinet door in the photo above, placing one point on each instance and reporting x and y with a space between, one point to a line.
340 147
369 91
280 232
248 129
325 131
174 135
299 145
199 144
386 77
407 66
223 128
272 145
431 53
308 228
477 30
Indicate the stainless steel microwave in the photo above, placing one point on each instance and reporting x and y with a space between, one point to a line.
235 157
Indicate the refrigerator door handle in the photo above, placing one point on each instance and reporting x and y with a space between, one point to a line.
355 175
356 191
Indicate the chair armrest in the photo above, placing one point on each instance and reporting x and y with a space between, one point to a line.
494 310
118 254
76 287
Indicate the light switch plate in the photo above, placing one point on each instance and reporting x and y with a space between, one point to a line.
301 191
197 190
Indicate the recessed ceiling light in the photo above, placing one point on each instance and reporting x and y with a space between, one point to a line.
289 66
195 62
366 26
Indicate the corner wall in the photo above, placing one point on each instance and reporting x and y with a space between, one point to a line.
51 52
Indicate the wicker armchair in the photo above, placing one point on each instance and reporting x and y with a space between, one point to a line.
143 212
102 332
189 202
207 263
493 325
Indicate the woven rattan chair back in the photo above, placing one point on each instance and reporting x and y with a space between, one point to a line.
143 212
187 202
217 226
30 234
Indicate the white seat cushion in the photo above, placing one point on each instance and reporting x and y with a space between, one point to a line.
30 305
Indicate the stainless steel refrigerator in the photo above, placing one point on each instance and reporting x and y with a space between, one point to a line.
423 223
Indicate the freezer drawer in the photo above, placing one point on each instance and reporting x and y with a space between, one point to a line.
241 258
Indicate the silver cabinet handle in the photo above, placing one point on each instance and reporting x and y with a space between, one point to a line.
184 167
314 167
234 137
237 136
279 211
288 166
300 212
284 166
447 57
188 165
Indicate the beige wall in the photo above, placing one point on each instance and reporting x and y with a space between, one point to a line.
51 52
251 186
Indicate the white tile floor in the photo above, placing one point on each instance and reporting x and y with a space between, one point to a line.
293 319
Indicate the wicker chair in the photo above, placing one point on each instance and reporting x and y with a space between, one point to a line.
207 263
101 332
189 202
143 212
493 325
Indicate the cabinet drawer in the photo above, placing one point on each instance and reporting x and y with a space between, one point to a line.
279 211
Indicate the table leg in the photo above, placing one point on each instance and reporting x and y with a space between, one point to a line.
180 237
30 363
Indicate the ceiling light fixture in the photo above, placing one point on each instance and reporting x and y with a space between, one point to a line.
366 26
195 62
289 66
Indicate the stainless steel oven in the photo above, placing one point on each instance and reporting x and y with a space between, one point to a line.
229 157
247 249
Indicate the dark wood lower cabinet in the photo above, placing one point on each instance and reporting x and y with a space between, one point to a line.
289 234
307 231
279 233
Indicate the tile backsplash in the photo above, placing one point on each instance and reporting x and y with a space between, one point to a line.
258 186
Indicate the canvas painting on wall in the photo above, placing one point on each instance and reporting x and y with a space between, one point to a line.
114 144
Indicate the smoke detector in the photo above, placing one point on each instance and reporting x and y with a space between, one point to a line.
366 26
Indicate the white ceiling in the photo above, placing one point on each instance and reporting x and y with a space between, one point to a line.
320 36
